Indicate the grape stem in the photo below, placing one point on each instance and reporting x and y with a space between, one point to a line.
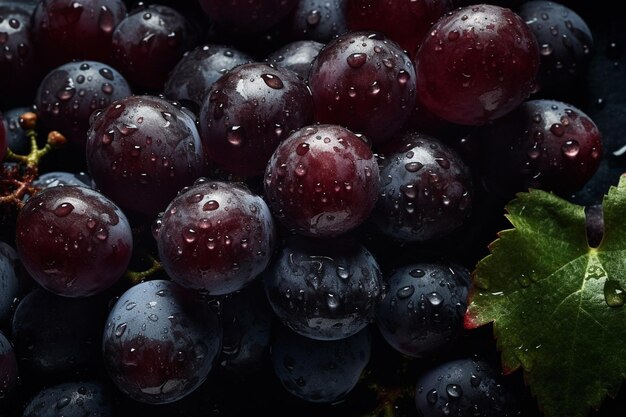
16 181
137 276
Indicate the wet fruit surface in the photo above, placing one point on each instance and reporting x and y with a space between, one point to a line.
142 150
363 73
73 399
477 64
73 241
322 181
319 20
248 112
297 57
8 367
215 237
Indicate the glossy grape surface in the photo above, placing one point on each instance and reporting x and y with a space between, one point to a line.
8 368
322 181
73 241
16 138
192 78
9 285
216 237
324 289
319 20
72 399
142 150
297 56
66 30
320 371
69 94
160 342
543 144
364 82
55 335
248 112
426 190
477 64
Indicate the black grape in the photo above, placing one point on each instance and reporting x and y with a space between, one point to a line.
71 399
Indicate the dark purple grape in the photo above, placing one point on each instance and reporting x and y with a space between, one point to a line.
364 82
57 335
565 42
142 150
542 144
71 399
248 112
69 95
320 371
423 310
322 181
426 190
247 324
67 30
19 66
8 368
60 178
192 78
297 56
319 20
404 21
477 64
216 237
464 387
15 136
149 42
3 139
243 17
160 342
73 240
9 285
324 289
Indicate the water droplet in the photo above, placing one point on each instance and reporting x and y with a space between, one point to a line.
614 294
130 306
546 49
454 391
272 81
443 162
63 209
557 129
374 89
405 292
313 18
120 329
63 402
435 299
300 170
474 380
403 77
107 88
106 20
102 234
189 235
356 60
343 272
161 293
413 166
234 136
302 148
332 301
153 317
570 148
432 396
211 205
417 273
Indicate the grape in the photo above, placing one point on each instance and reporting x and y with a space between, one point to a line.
216 237
56 335
565 42
248 112
243 17
359 74
15 136
19 64
73 241
426 190
404 21
464 387
319 20
149 42
322 181
141 151
424 307
543 144
66 30
477 64
320 371
3 139
60 178
247 323
69 94
160 342
191 79
324 289
297 57
71 399
9 285
8 368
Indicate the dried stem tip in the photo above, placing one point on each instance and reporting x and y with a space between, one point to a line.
56 139
28 120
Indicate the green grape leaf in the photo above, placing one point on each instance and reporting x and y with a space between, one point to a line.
557 305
